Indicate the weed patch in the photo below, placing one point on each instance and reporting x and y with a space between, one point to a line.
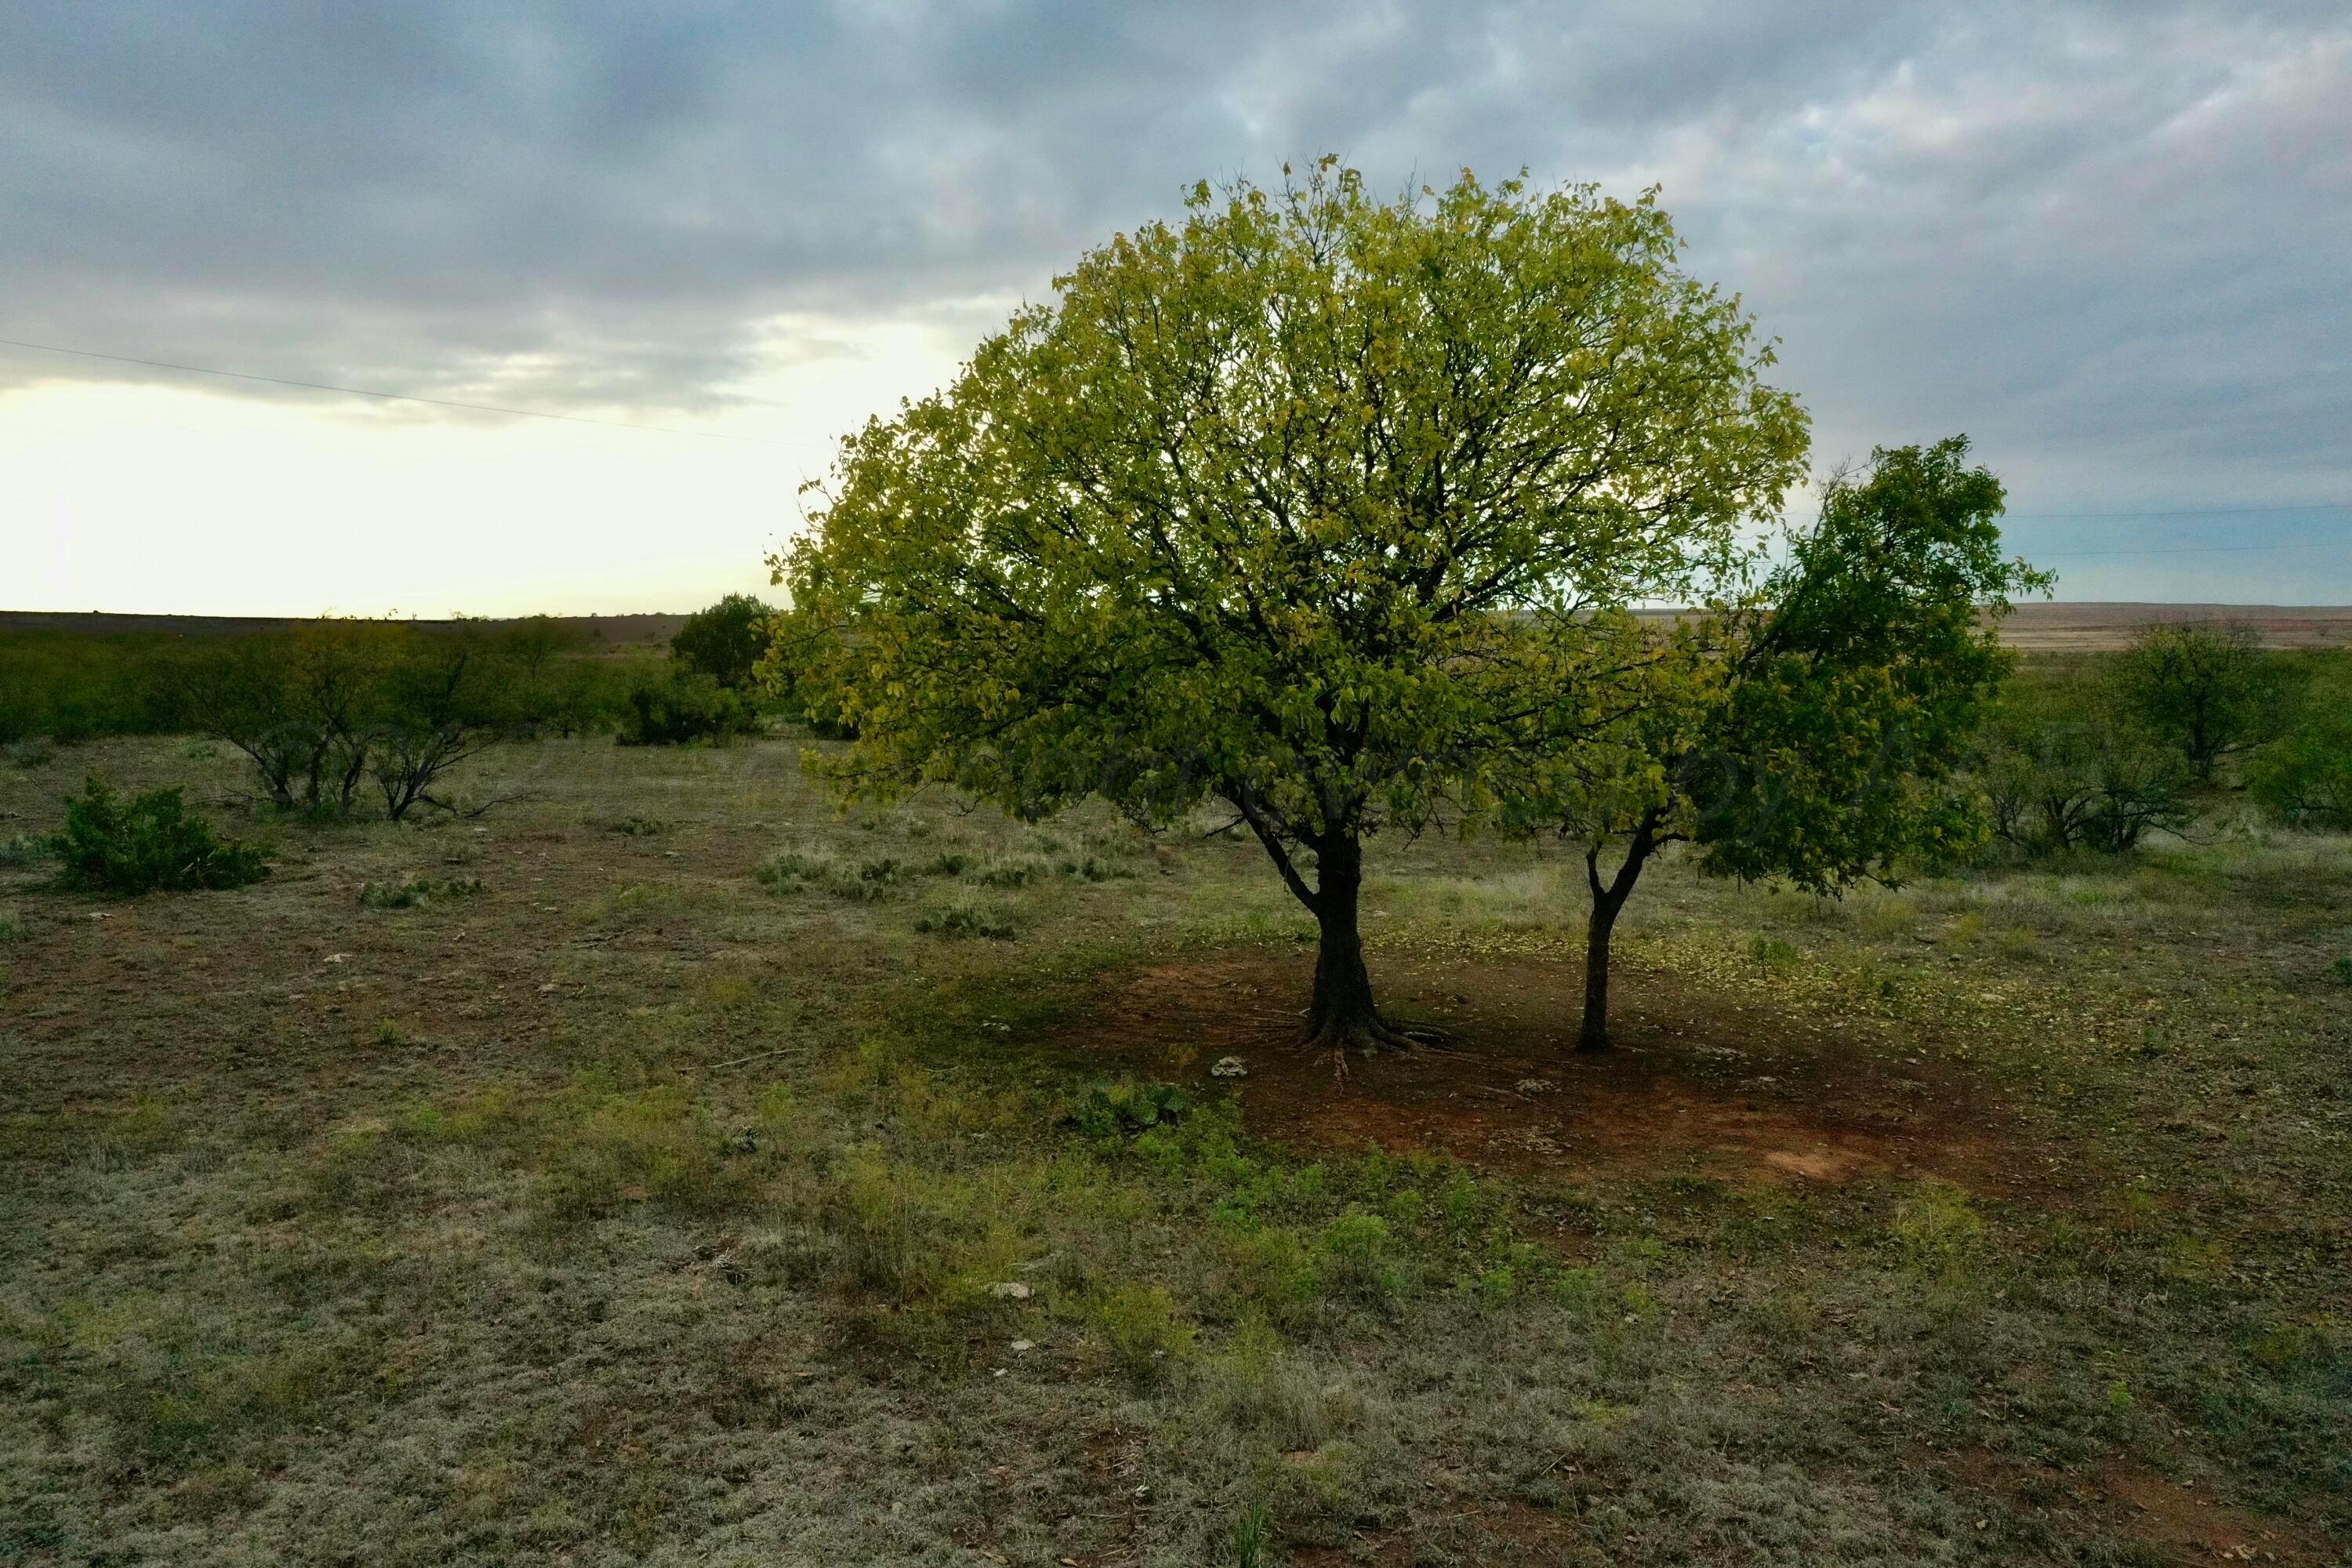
418 893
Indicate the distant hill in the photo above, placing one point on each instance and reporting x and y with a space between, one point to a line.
2058 627
611 631
2049 627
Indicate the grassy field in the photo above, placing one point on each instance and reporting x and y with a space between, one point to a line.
663 1168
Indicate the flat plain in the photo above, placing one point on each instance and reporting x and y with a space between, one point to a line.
666 1167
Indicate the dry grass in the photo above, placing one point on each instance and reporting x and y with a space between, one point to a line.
653 1205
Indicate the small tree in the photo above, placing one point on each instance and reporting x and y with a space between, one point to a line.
1302 506
1808 730
726 641
2202 686
2305 777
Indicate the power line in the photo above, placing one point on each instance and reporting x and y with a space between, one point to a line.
2187 549
409 398
2178 512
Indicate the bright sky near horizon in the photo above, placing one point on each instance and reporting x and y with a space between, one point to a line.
2107 240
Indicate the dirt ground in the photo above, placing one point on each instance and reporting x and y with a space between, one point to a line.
1692 1083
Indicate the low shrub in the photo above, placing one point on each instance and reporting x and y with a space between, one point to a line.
684 709
23 849
415 894
1110 1108
151 842
961 918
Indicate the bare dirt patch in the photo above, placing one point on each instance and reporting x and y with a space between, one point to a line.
1696 1083
2175 1523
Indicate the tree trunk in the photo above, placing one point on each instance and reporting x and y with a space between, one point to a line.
1342 1013
1608 898
1594 1034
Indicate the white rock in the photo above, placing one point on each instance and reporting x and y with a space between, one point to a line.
1010 1290
1025 1345
1230 1066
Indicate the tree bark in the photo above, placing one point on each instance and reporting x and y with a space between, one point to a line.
1608 898
1343 1013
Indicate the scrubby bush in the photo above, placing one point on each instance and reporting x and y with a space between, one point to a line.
437 703
2305 777
725 641
149 843
2063 768
683 709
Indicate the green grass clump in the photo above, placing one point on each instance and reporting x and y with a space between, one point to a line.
1141 1326
417 893
865 882
150 842
1114 1107
23 849
964 919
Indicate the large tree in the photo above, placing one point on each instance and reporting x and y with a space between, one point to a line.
1808 729
1302 504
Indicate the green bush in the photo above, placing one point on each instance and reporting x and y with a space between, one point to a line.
682 711
2064 767
1112 1107
2305 777
151 842
725 641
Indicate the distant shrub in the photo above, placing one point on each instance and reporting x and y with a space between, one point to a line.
682 711
2203 688
2342 970
150 842
30 753
2063 768
640 827
2305 777
725 641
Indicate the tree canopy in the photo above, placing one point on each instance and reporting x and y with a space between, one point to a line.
1304 504
725 641
1806 731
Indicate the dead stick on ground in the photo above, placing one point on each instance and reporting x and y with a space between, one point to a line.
754 1056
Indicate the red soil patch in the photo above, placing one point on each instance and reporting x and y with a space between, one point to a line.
2176 1523
1695 1082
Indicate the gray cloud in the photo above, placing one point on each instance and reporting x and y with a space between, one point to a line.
2107 240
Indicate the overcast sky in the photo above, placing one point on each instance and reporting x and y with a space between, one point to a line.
2113 243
